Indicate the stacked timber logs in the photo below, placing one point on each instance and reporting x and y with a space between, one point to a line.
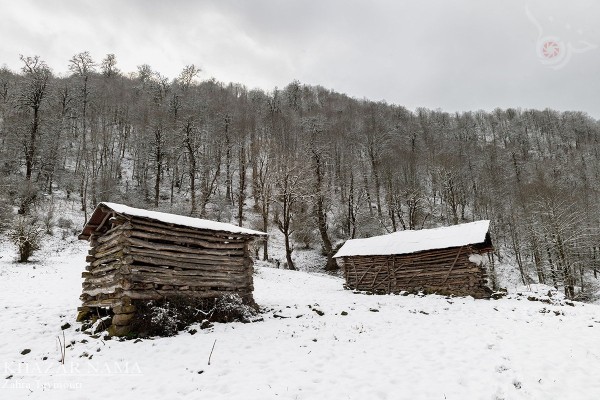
442 271
134 258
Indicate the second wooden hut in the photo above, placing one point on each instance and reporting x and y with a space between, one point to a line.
448 260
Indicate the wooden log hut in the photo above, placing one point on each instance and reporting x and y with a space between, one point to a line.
447 260
139 255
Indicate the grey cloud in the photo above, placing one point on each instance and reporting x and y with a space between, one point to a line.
454 55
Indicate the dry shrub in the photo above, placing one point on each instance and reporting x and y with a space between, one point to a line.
26 235
168 316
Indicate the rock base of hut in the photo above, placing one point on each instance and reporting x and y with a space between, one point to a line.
443 271
137 260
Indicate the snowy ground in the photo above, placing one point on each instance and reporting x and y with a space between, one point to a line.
386 347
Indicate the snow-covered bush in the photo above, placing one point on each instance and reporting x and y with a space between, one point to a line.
64 223
168 316
26 235
231 307
162 317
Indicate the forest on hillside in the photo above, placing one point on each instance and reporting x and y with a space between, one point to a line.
318 165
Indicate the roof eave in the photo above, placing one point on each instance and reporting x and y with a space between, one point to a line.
103 211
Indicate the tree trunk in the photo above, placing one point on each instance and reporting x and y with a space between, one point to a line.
242 184
288 253
158 153
351 212
285 223
228 178
265 220
321 214
30 153
375 167
189 144
367 191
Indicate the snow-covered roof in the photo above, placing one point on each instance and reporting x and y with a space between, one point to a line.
180 220
405 242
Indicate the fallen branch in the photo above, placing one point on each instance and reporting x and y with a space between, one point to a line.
211 351
63 348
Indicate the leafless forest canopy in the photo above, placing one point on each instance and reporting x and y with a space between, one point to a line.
318 165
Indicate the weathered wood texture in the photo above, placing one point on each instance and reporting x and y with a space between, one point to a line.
136 259
443 271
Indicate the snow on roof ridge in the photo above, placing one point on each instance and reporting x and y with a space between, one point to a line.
412 241
180 220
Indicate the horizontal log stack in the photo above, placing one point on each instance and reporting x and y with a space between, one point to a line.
442 271
136 259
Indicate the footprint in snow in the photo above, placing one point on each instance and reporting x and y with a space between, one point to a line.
501 368
517 384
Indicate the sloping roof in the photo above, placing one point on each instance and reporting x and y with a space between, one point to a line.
405 242
102 211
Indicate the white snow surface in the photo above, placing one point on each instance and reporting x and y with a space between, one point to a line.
181 219
386 347
409 241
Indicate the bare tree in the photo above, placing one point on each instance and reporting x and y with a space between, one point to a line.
187 76
318 155
289 192
108 66
35 89
568 237
191 146
264 192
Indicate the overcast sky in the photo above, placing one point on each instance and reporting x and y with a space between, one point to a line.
453 55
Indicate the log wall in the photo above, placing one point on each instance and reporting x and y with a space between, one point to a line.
443 271
139 259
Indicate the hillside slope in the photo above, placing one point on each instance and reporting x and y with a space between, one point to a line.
386 347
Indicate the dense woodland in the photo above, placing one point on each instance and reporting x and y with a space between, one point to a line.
318 165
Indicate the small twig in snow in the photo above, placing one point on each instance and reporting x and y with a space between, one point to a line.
211 351
63 349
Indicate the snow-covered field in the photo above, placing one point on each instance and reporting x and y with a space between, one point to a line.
386 347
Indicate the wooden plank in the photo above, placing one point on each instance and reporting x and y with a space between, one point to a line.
110 277
170 271
103 290
160 294
116 255
162 279
196 264
118 225
163 230
182 249
110 266
105 248
186 239
186 257
179 228
102 303
116 232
